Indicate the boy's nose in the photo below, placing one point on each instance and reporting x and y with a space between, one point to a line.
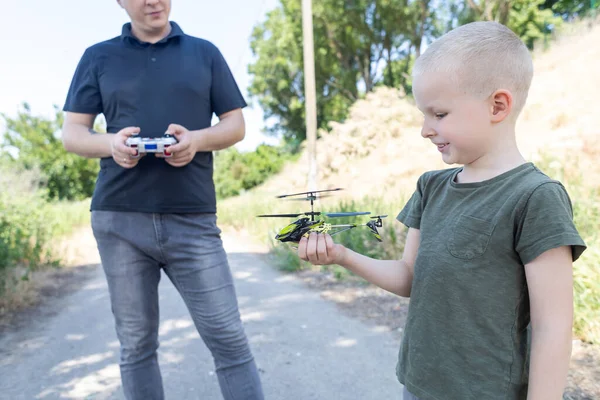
427 131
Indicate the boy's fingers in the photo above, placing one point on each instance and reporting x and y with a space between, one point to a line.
302 248
311 248
329 243
321 248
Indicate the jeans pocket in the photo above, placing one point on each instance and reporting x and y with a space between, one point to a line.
470 237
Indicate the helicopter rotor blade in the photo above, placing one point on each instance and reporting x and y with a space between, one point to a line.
281 215
346 214
310 198
378 216
311 192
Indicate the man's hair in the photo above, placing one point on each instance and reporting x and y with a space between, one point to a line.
481 57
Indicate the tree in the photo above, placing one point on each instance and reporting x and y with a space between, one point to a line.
278 79
569 9
360 44
531 20
352 41
33 142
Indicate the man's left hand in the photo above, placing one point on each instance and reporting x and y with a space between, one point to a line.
182 152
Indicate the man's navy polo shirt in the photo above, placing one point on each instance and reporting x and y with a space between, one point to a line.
181 80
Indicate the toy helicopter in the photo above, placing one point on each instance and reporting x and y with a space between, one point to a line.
306 224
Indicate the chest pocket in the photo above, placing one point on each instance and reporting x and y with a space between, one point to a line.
470 237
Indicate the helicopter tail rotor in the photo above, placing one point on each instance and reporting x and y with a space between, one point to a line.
373 229
377 219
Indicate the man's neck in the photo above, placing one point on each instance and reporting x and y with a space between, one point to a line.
150 36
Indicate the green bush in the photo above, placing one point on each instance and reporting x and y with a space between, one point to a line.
236 172
28 222
585 196
35 144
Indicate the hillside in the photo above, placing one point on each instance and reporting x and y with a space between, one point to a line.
379 147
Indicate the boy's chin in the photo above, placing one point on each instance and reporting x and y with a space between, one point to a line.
449 160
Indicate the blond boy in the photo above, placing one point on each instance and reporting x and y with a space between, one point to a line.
490 245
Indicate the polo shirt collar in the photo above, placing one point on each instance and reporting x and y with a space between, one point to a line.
127 34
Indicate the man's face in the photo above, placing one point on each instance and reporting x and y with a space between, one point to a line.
456 123
148 15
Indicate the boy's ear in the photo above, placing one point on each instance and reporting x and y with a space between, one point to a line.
501 102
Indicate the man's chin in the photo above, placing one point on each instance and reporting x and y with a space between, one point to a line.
158 25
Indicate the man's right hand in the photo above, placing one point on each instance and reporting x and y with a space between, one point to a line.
121 153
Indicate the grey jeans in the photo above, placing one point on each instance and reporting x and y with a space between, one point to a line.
133 248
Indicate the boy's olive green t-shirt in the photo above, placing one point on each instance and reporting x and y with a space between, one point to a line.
466 331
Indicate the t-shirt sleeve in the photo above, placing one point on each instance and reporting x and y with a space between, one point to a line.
84 93
410 215
547 223
225 94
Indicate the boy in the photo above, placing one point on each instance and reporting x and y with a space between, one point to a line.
490 244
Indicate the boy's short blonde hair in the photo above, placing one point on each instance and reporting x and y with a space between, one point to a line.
482 57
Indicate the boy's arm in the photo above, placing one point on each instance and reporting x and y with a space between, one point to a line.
395 276
550 282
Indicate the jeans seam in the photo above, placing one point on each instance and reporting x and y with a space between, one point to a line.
157 231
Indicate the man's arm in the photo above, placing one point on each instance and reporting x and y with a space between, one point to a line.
78 137
230 130
550 282
395 276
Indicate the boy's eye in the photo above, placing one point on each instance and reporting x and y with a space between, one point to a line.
440 115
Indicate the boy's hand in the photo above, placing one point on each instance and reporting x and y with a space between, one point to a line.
319 249
121 153
184 151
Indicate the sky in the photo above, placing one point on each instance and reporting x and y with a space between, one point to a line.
42 42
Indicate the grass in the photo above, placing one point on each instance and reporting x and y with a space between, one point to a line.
30 227
584 190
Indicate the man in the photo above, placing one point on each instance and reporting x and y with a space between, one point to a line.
156 212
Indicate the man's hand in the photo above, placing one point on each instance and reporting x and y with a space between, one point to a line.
121 153
182 152
319 249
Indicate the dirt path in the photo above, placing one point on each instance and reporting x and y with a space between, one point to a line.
305 347
314 337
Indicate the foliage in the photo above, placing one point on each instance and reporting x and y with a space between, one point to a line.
529 19
352 42
28 222
362 44
585 197
236 172
37 145
569 9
